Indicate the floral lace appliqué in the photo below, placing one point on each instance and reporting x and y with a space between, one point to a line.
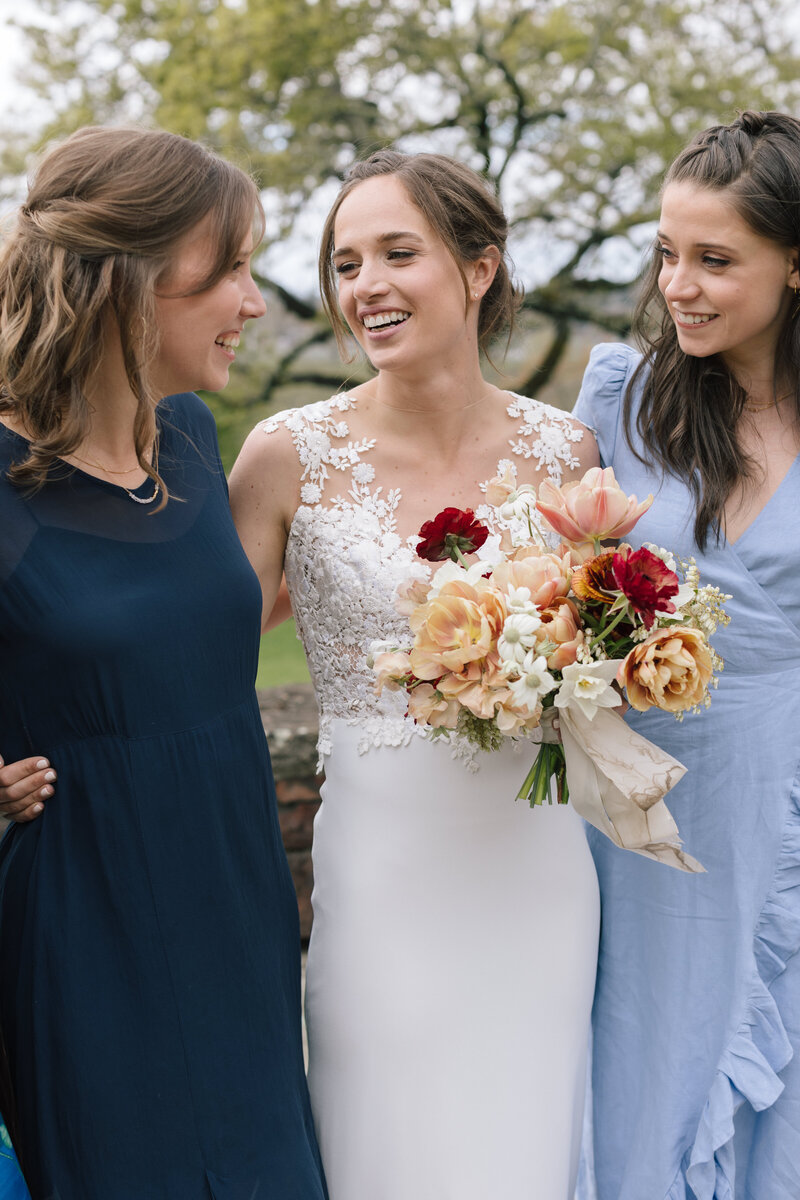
345 558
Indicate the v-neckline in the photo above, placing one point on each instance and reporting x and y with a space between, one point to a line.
793 466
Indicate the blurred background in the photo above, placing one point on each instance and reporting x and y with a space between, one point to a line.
572 108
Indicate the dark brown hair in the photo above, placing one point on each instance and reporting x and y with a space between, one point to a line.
94 241
462 210
690 407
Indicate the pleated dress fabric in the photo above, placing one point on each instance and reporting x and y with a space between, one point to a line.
149 944
696 1073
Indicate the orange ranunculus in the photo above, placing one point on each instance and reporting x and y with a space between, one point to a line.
560 625
595 579
454 628
544 574
670 670
593 508
428 706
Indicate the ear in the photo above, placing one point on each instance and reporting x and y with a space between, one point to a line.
793 280
481 272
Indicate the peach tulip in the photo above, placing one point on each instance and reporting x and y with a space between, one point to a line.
592 509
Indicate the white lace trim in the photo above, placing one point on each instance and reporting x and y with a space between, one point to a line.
345 559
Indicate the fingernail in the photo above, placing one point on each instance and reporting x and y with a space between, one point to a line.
37 808
50 776
41 764
46 791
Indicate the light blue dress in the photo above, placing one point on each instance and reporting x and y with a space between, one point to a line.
696 1073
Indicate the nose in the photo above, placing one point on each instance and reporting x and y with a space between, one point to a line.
678 282
370 281
253 303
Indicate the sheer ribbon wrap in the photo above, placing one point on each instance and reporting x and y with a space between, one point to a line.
617 780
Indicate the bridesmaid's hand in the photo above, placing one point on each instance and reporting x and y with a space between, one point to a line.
24 786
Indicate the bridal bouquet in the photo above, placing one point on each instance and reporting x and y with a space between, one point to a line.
527 641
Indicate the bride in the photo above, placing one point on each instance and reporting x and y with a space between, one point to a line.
452 959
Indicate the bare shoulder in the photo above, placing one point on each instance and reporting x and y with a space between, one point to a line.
266 475
550 440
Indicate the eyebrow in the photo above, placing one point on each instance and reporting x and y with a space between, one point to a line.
664 237
404 235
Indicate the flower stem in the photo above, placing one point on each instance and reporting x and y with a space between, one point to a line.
623 612
548 765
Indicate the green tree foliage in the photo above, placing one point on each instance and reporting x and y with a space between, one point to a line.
572 107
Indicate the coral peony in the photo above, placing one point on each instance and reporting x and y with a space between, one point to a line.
428 706
392 669
670 670
500 487
560 634
592 509
544 574
458 626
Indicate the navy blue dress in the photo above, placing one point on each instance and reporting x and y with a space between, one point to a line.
149 944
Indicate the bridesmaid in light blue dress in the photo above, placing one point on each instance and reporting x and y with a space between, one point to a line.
696 1074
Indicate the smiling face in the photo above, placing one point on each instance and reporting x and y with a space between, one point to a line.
728 290
199 333
400 290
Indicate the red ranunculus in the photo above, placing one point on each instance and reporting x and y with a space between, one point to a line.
452 531
646 582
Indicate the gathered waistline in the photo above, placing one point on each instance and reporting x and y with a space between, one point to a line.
130 738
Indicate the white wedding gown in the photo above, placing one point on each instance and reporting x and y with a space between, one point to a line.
452 959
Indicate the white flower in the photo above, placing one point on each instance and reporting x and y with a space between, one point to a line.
518 637
519 601
450 570
363 473
520 505
666 556
534 682
310 493
583 685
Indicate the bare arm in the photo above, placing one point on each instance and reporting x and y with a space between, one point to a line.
264 491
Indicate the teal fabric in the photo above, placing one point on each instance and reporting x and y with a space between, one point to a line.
696 1076
12 1185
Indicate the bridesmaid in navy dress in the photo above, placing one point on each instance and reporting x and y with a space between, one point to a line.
149 947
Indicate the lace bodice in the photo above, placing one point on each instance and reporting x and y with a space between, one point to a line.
345 557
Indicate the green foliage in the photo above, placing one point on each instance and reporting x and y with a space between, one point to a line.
281 659
572 107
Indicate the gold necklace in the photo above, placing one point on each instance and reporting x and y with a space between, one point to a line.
433 412
90 462
752 407
137 499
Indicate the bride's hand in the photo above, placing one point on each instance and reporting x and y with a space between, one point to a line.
24 786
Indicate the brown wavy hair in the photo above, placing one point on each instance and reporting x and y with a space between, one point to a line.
94 241
690 407
460 207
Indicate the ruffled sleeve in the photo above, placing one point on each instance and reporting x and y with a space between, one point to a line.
599 404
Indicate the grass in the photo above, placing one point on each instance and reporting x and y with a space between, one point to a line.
281 659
